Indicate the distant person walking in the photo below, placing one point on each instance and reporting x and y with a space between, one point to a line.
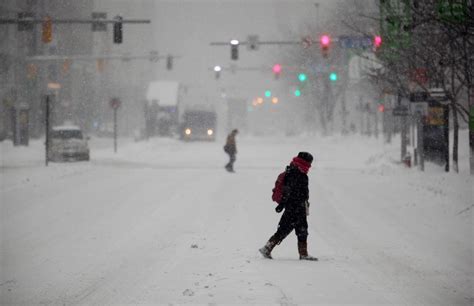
292 194
230 148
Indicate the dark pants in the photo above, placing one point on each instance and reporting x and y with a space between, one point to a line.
292 220
230 164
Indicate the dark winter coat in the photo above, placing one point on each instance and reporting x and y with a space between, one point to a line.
295 190
295 194
230 145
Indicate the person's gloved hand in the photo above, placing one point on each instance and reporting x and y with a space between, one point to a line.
279 208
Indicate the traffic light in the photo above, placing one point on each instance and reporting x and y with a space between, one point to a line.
325 41
302 77
169 62
297 93
47 36
118 35
333 77
32 71
234 49
377 42
217 70
66 66
381 108
100 63
276 70
268 93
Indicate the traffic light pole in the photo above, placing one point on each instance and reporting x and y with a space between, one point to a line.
47 110
115 129
420 142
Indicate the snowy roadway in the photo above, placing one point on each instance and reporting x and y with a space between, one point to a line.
162 222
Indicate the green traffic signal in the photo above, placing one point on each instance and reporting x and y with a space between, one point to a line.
333 76
297 93
268 93
302 77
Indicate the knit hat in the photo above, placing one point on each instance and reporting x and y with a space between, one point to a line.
306 156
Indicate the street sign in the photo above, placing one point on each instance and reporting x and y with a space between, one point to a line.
154 56
98 26
453 11
306 42
418 96
54 86
252 42
439 95
421 108
25 21
115 103
355 42
400 111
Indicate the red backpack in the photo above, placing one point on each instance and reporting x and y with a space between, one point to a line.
277 191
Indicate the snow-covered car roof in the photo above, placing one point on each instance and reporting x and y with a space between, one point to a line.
66 128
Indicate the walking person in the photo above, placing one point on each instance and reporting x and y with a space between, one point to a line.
293 196
230 148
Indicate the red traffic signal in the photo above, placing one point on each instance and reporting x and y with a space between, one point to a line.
381 108
377 41
325 41
276 70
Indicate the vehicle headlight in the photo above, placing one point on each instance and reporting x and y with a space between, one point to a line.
210 132
187 131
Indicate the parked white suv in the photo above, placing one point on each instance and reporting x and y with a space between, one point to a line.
68 142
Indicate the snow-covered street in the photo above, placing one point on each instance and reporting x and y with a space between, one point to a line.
162 222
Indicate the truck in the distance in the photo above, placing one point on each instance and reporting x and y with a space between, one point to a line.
198 124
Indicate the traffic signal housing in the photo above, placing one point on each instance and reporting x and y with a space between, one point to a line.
234 49
118 30
377 42
217 70
325 42
276 70
47 34
169 62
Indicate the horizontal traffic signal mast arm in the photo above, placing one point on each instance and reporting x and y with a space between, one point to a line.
94 57
219 43
72 21
260 68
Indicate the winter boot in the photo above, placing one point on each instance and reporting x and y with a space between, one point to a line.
303 250
267 249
